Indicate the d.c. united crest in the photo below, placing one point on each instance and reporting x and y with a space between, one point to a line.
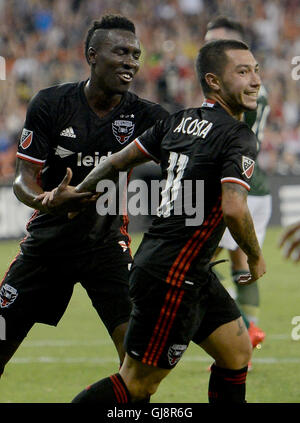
122 130
8 294
175 353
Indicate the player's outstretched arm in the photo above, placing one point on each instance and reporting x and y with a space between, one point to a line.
121 161
29 192
64 198
290 242
25 186
239 221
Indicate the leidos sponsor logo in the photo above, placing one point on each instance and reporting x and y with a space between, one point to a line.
91 160
82 160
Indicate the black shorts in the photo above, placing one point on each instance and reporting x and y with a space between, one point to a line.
165 318
39 291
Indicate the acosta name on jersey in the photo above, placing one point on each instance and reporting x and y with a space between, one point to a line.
196 127
91 160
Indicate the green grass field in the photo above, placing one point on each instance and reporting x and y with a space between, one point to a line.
54 364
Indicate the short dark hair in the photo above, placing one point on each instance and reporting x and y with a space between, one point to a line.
227 23
212 59
107 22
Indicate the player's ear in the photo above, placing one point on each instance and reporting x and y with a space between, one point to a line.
212 81
91 55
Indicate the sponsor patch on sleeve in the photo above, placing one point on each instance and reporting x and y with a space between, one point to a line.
248 166
26 138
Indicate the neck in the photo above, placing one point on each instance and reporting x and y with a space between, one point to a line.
100 101
236 113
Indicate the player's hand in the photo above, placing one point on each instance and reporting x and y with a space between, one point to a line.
64 198
257 268
290 243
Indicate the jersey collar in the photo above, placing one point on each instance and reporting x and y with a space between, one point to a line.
208 103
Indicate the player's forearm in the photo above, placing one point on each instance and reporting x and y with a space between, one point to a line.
242 229
26 191
238 219
121 161
105 170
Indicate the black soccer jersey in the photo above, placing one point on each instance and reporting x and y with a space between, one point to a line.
198 149
61 131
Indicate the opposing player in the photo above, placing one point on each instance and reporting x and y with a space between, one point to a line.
177 298
259 198
76 125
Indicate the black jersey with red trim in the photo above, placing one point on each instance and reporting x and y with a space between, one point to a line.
198 150
61 131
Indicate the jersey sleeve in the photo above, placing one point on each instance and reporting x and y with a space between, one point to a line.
239 157
149 142
34 145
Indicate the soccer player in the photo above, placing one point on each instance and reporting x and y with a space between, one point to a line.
76 125
259 198
176 296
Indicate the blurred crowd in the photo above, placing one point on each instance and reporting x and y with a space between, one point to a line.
42 44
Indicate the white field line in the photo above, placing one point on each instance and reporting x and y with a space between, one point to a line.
96 342
65 343
98 360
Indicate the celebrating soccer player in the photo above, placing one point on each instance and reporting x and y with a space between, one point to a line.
176 296
76 126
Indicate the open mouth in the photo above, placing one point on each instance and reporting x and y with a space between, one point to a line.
253 95
126 76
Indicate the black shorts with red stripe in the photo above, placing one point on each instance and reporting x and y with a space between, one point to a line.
166 318
39 290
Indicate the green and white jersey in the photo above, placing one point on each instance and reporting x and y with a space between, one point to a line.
256 120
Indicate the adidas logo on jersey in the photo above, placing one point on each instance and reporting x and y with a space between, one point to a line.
68 132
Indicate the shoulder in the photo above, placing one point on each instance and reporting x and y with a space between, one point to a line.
147 106
47 100
241 129
57 91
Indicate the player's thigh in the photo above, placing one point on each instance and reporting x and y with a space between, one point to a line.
221 312
227 241
107 287
260 208
238 259
31 291
229 345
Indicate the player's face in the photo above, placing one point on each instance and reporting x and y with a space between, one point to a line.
240 82
117 61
